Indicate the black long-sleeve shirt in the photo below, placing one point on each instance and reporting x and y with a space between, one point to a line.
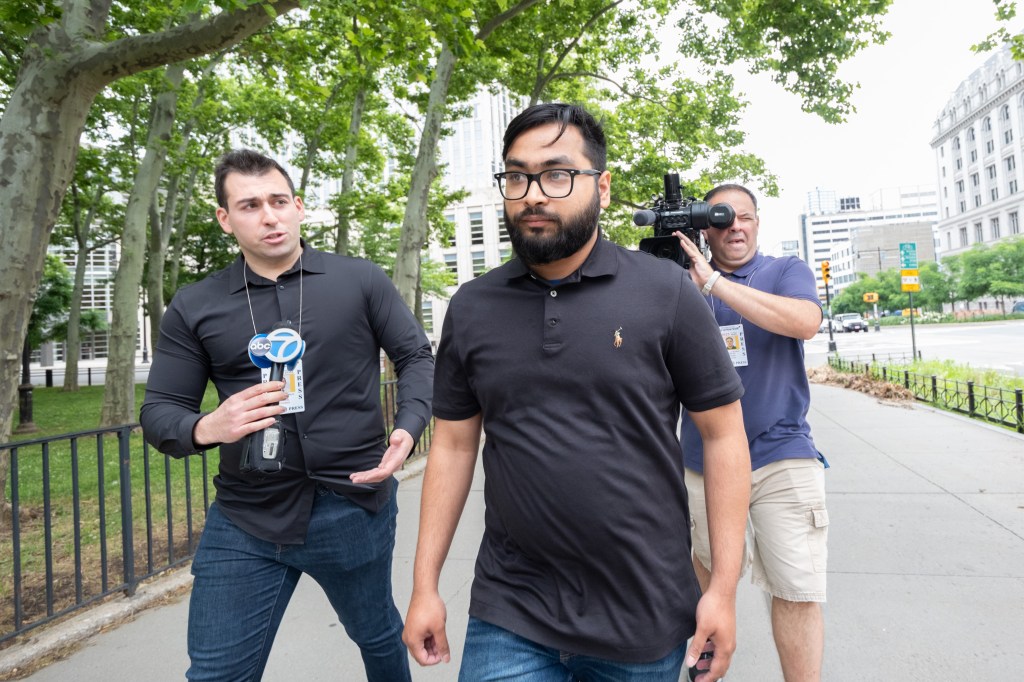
350 310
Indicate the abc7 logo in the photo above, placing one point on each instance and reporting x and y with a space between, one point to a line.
281 345
285 345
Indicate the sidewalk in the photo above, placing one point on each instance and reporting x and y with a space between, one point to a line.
926 567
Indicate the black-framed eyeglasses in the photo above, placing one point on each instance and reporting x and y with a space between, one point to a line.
554 183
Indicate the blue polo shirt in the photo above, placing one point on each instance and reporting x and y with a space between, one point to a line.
777 395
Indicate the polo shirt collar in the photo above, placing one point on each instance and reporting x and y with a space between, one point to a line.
747 269
312 263
601 261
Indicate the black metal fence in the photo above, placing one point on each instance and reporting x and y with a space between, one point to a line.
95 513
1001 406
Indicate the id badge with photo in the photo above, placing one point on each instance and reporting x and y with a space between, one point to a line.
735 343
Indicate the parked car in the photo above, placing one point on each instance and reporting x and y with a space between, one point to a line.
1018 307
823 327
849 322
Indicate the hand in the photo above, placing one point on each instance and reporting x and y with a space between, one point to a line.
401 442
243 413
716 623
424 633
700 269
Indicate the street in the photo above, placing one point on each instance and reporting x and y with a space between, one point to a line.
993 345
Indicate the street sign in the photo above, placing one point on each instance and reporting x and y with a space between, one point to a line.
910 280
871 297
908 255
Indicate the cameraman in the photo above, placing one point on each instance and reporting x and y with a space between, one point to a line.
769 306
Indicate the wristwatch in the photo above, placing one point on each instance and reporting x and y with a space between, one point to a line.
706 289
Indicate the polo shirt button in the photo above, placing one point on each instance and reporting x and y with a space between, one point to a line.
554 293
553 322
280 286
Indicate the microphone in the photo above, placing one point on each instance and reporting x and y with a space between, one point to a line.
278 350
644 217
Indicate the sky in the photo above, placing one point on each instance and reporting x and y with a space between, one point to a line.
886 143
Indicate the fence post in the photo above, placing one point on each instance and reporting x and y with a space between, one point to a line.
124 451
935 389
88 374
970 398
1019 404
49 378
906 379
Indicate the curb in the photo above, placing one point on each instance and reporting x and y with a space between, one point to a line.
68 634
58 639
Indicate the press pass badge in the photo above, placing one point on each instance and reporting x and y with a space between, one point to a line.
735 343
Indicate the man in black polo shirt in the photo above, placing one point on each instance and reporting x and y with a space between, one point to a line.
574 358
330 510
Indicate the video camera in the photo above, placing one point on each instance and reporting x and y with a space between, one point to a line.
689 216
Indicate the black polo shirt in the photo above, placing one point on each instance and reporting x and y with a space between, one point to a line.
350 310
586 544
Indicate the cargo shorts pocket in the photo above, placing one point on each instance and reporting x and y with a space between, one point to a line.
817 538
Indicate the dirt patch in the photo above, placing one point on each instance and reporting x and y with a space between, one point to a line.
883 390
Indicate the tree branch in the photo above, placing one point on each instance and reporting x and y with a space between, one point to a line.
545 80
622 88
499 19
127 56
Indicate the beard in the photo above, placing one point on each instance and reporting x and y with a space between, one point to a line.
569 236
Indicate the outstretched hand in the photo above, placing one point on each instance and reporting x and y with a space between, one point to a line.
401 444
700 269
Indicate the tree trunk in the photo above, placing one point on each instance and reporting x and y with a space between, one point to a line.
39 131
73 342
119 388
414 224
355 124
179 240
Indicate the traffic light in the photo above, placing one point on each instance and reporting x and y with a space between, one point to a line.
825 267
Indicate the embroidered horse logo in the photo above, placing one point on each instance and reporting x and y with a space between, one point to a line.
617 338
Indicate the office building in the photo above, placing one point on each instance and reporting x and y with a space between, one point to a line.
977 143
861 233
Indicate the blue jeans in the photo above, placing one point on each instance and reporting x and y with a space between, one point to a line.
492 653
243 584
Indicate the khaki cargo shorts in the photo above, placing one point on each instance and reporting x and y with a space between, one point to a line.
787 528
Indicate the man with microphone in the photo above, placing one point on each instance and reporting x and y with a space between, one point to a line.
290 337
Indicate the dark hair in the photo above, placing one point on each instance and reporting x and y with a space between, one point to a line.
565 115
728 187
246 162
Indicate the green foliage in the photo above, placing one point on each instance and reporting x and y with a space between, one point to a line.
984 270
987 270
52 301
800 43
947 369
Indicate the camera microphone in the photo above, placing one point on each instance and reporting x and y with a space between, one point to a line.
644 217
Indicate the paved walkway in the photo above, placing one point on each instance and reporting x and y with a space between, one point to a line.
926 567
